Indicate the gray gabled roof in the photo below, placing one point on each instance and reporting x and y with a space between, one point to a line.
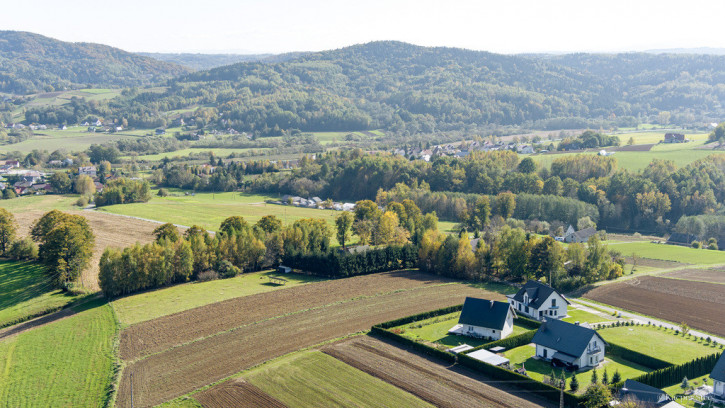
718 373
484 313
538 293
642 392
561 336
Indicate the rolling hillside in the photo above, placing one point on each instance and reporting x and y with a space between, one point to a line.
31 63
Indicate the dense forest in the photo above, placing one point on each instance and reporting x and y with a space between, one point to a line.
412 89
32 63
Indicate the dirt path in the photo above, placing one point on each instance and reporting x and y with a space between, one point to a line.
37 322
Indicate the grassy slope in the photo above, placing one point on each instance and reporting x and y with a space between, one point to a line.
25 292
209 210
39 203
316 379
659 343
68 363
219 152
671 253
151 305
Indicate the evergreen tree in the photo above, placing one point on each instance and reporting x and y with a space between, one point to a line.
595 377
605 377
574 384
616 378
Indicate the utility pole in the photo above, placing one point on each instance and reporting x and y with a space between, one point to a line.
131 389
561 393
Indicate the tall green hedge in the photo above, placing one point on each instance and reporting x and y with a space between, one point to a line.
672 375
336 264
423 348
509 342
421 316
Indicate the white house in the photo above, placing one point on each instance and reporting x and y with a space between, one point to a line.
580 236
88 171
484 318
718 377
539 301
569 344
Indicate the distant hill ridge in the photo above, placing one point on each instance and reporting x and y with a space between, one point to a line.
33 63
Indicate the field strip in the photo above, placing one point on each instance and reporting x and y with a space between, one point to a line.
237 393
441 385
281 316
160 334
173 373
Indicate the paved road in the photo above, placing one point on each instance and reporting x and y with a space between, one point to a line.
645 320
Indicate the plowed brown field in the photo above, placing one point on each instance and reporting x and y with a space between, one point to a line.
160 334
714 275
429 379
169 374
239 393
110 230
699 304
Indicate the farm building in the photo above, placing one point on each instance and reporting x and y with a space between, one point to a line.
675 138
569 345
88 171
678 238
539 301
485 319
643 394
718 377
578 237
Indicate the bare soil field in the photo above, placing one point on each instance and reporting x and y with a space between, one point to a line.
654 263
110 231
699 304
160 334
169 374
712 275
429 379
635 148
238 393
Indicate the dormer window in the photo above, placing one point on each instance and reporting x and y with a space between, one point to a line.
553 302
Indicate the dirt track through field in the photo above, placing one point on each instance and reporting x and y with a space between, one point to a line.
429 379
237 393
110 231
699 304
167 375
160 334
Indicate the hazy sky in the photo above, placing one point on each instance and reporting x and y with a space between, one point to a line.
274 26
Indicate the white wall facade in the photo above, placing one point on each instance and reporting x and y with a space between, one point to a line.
555 307
485 332
592 356
719 388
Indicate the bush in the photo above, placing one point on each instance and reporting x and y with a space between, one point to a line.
23 249
227 270
209 275
82 201
163 192
696 244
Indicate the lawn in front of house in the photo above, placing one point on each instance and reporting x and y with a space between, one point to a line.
435 330
658 342
578 315
677 393
524 357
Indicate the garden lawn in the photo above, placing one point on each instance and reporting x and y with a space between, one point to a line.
435 330
208 210
312 378
25 292
677 393
153 304
578 315
671 253
68 363
537 369
658 342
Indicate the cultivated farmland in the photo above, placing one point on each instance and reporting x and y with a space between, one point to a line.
712 275
428 379
179 370
699 304
237 394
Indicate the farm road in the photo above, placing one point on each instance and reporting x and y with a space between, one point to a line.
644 320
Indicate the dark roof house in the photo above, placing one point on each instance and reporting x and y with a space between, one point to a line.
537 293
643 393
484 313
678 238
718 373
571 343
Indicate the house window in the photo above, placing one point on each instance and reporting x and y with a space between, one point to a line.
545 353
553 302
527 309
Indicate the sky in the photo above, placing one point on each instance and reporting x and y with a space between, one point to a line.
276 26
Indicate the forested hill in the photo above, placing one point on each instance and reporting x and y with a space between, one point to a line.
34 63
407 88
204 61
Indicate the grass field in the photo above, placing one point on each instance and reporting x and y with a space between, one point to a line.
676 392
209 210
72 139
578 315
151 305
25 292
219 152
658 343
68 363
537 369
315 379
39 203
435 330
671 253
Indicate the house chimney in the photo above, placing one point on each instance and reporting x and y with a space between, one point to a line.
576 323
492 303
